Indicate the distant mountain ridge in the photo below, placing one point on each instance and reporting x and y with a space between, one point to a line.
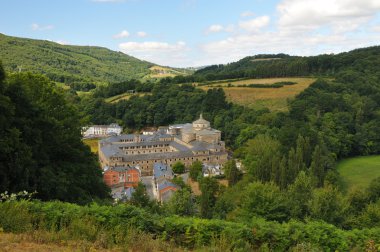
69 63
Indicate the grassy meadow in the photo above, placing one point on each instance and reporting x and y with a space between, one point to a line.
359 171
274 99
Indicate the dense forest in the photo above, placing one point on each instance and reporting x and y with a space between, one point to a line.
40 143
289 197
282 65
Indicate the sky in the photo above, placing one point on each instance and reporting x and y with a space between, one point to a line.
193 33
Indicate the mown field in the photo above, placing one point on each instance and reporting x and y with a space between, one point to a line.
273 98
359 171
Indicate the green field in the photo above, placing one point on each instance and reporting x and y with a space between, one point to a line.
359 171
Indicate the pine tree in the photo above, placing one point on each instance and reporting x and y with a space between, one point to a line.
283 180
317 168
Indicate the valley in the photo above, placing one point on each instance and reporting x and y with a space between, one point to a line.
246 156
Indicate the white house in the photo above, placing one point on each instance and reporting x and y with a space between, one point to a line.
102 130
211 170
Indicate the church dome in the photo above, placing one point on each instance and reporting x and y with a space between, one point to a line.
201 123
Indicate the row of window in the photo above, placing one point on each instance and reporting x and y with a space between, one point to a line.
144 147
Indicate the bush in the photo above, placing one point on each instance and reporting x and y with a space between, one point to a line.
15 217
122 225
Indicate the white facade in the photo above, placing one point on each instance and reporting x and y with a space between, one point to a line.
102 130
211 170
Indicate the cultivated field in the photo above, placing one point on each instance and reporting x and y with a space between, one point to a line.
359 171
273 98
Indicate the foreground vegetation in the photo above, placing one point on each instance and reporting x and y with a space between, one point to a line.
359 171
125 226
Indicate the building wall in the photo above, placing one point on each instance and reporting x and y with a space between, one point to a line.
133 178
146 166
111 178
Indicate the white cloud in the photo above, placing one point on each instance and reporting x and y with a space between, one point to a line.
375 28
310 14
141 34
247 14
151 46
214 28
122 34
300 27
37 27
158 52
229 28
254 24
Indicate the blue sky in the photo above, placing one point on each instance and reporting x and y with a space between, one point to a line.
185 33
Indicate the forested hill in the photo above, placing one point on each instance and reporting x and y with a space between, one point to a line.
282 65
68 63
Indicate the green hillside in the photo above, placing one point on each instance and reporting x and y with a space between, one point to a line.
282 65
68 63
359 171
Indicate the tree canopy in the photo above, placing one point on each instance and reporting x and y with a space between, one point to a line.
40 147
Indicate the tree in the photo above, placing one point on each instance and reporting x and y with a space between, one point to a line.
140 197
195 170
328 204
370 217
209 188
300 192
232 172
181 203
317 167
264 200
179 181
357 200
283 176
41 146
373 190
262 152
178 167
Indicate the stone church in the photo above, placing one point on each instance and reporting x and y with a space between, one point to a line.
186 143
